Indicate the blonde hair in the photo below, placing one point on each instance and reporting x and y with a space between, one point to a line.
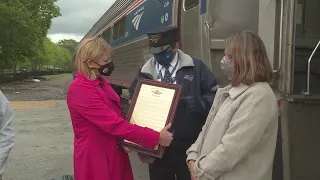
91 49
250 60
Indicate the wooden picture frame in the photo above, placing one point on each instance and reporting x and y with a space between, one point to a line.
158 89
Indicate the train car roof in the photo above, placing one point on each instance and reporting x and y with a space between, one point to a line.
108 16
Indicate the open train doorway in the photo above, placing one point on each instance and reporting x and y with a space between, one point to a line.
301 110
306 39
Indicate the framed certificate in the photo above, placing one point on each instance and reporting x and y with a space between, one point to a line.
153 105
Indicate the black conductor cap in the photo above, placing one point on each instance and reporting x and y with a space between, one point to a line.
162 38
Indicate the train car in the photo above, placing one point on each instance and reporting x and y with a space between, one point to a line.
290 30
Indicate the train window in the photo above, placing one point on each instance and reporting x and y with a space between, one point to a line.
188 4
119 29
106 35
122 24
115 31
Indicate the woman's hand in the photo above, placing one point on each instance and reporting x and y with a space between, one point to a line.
191 169
165 136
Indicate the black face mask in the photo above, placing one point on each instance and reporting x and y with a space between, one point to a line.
107 69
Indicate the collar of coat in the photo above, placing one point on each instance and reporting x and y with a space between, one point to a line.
234 92
150 70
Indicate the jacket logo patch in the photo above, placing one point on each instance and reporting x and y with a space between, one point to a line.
188 77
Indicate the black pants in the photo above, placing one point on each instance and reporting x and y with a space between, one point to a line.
172 166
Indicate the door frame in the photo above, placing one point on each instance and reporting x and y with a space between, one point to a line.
176 11
180 6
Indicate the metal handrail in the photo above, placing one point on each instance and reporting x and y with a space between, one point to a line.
280 38
309 70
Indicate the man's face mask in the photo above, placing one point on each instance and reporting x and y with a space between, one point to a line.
226 67
106 69
164 58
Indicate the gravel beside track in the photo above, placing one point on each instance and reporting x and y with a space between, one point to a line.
52 89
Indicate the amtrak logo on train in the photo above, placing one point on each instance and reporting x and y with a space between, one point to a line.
137 17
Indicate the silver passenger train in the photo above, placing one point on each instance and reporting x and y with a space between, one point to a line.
290 30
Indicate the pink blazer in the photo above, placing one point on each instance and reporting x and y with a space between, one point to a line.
98 125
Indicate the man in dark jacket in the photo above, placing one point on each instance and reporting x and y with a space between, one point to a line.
170 64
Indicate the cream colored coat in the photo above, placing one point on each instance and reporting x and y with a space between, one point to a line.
239 138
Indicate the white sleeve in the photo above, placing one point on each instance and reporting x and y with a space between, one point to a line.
7 135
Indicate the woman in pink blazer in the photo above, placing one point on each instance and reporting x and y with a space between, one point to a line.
97 119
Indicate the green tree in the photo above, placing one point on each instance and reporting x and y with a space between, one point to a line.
24 43
69 44
63 58
16 35
53 56
24 25
42 12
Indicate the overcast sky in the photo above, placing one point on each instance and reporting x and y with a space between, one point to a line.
78 16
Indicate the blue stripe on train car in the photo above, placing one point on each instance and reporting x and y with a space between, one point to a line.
203 7
149 15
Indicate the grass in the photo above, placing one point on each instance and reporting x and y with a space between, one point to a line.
49 77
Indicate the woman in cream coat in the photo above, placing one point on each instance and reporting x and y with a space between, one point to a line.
239 138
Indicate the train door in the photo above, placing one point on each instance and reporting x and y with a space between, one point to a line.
301 74
190 31
225 17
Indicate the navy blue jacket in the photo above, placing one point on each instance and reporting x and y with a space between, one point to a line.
197 81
